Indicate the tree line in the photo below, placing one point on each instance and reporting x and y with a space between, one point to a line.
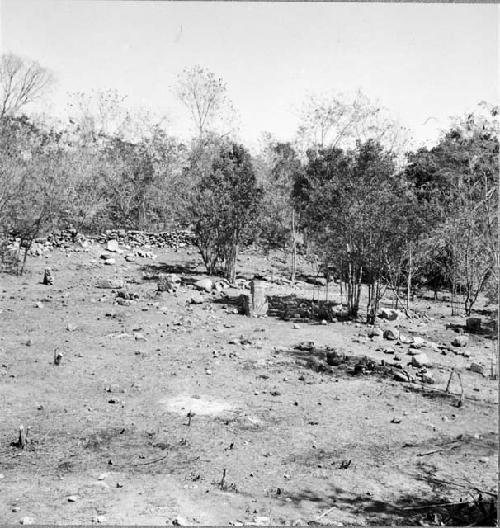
347 191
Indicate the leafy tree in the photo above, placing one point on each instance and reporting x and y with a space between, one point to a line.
279 221
354 210
34 179
457 187
223 204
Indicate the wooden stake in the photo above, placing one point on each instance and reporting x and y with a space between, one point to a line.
223 480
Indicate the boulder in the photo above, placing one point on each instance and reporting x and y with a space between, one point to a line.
110 262
204 285
391 334
112 245
476 367
460 341
389 314
399 376
418 342
334 358
427 377
420 360
168 283
375 332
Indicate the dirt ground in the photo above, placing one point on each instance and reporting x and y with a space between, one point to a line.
109 436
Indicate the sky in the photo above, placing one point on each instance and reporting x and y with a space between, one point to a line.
424 62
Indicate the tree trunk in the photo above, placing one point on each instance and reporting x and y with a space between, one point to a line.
230 263
294 250
408 285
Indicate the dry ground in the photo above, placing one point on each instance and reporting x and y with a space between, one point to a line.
108 427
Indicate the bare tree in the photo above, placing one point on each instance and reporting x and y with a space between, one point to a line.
338 120
205 96
22 81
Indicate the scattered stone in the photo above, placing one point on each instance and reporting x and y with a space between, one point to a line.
129 258
427 377
112 245
388 351
138 336
476 367
180 521
72 498
204 285
391 334
405 339
29 342
375 332
168 283
27 520
418 342
261 521
196 300
420 360
110 262
460 341
399 376
296 326
389 314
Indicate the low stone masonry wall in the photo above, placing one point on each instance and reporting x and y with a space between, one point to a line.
70 238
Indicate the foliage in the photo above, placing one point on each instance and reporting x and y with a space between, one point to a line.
224 203
354 210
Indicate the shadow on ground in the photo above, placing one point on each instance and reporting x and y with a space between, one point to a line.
152 270
407 509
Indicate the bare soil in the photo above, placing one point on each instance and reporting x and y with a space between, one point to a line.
109 425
